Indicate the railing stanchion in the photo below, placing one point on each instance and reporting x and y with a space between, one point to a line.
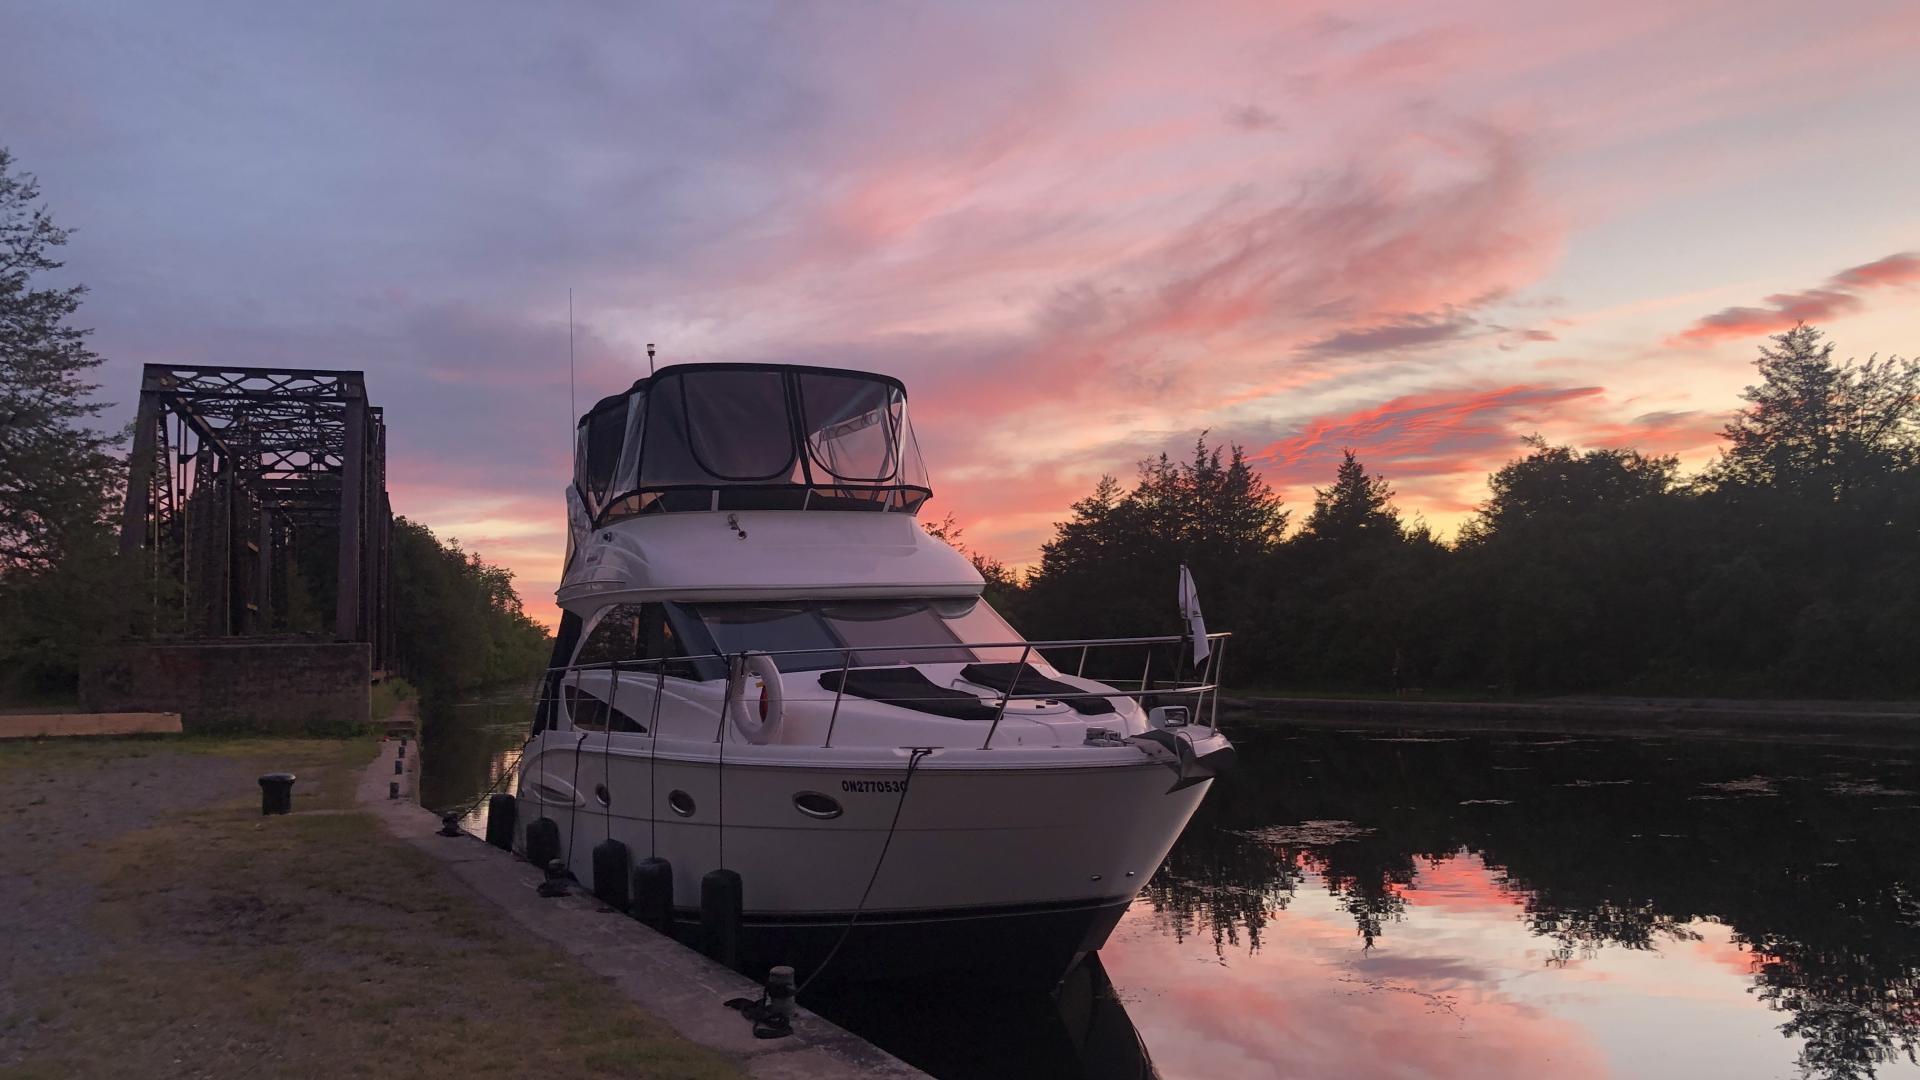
834 717
1213 675
1081 671
1005 696
1146 667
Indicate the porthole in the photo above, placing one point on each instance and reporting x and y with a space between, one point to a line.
600 792
815 805
680 803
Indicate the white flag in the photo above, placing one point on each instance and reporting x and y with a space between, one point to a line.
1190 611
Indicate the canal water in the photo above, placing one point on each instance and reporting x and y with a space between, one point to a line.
1361 903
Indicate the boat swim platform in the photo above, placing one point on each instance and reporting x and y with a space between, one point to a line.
676 984
53 725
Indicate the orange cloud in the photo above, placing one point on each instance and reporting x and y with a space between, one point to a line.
1439 433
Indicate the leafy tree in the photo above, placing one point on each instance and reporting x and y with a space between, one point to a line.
1557 486
1568 572
459 623
61 587
56 474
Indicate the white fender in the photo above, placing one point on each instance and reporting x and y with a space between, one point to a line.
746 716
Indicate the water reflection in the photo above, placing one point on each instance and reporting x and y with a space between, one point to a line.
1728 884
1356 904
469 748
961 1031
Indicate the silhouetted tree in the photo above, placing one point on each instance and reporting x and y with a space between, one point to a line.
61 586
1002 589
1821 429
1111 568
1561 487
1357 509
458 623
56 472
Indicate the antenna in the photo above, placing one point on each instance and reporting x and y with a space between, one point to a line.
573 410
649 357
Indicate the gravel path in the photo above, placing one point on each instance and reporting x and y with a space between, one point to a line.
49 811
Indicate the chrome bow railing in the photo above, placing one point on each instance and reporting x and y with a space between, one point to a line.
1202 691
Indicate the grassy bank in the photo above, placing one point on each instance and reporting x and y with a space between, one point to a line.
389 694
216 942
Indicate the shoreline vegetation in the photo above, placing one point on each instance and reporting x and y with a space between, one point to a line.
1839 722
1787 568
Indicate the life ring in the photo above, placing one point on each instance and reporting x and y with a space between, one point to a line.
771 708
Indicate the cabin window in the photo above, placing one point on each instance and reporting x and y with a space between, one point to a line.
739 428
974 622
773 628
870 626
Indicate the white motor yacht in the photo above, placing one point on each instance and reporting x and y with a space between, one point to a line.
765 664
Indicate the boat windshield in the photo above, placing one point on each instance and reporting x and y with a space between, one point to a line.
813 633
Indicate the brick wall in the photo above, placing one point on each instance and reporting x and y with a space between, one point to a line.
275 686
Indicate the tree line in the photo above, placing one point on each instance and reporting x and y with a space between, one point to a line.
64 588
1788 566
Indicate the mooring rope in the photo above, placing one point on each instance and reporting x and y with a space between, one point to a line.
573 811
913 763
738 666
606 743
653 756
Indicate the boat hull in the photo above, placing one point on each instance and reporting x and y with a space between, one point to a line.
1033 945
976 861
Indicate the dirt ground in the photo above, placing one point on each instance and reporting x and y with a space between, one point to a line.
153 924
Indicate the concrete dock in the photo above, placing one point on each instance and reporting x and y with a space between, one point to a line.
674 983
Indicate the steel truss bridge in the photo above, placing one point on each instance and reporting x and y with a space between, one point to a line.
259 498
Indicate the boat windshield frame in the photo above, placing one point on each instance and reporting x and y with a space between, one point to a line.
702 437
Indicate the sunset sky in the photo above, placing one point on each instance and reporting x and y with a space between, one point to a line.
1081 234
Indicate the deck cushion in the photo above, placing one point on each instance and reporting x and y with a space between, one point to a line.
1030 681
907 688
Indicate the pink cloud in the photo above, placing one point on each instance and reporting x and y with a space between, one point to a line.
1841 295
1900 269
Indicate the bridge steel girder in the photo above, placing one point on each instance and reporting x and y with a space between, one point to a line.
259 462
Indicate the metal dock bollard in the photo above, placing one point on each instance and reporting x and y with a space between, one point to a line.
276 793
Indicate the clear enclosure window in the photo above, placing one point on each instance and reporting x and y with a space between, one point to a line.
853 426
738 425
605 431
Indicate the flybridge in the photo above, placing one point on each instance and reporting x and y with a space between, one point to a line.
749 437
